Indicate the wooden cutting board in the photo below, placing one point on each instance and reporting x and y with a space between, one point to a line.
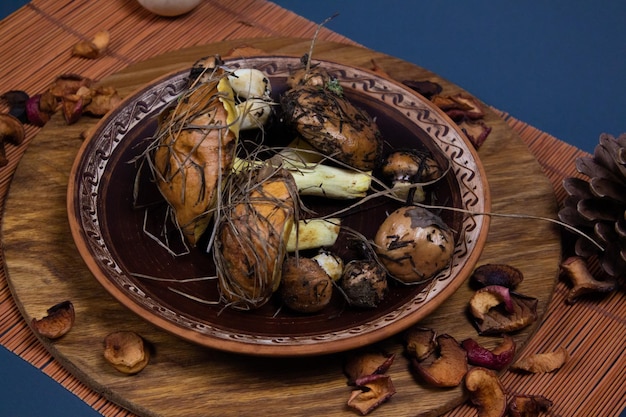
183 379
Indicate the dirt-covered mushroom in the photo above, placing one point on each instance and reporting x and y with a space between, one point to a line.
319 112
11 131
414 244
409 170
305 286
364 283
58 322
486 392
446 367
126 351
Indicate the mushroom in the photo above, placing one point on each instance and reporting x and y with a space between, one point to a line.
445 367
305 286
575 268
331 263
58 322
364 283
126 351
408 170
414 244
486 392
12 131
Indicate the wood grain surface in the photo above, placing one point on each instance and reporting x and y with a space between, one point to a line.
183 379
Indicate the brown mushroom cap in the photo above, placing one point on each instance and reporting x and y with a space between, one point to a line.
414 244
305 286
12 131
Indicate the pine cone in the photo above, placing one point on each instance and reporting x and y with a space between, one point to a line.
597 206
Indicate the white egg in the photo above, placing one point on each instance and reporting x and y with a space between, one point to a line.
169 8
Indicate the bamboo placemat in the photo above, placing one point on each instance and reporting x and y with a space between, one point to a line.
36 41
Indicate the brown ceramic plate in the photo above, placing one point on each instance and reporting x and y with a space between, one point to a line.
109 230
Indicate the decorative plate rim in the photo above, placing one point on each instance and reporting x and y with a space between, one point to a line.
90 167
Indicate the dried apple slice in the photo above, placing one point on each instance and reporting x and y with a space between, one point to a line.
126 351
58 322
528 405
367 363
489 297
542 362
420 342
497 321
373 391
486 392
446 367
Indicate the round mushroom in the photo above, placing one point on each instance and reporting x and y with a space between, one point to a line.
305 286
407 170
414 244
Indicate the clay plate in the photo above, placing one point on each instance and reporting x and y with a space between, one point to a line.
109 230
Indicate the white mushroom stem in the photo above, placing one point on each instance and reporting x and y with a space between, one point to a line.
314 179
313 233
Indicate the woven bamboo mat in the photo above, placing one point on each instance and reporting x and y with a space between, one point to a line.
36 41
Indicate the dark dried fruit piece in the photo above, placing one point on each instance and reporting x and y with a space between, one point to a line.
364 283
528 405
497 274
16 100
426 88
496 359
420 342
475 130
58 322
126 351
575 268
446 367
486 392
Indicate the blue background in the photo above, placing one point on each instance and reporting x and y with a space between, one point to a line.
559 65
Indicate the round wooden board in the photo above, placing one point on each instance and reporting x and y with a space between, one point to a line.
44 268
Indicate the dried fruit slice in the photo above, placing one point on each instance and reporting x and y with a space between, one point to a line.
496 359
542 362
420 342
486 392
126 351
445 368
58 322
528 405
